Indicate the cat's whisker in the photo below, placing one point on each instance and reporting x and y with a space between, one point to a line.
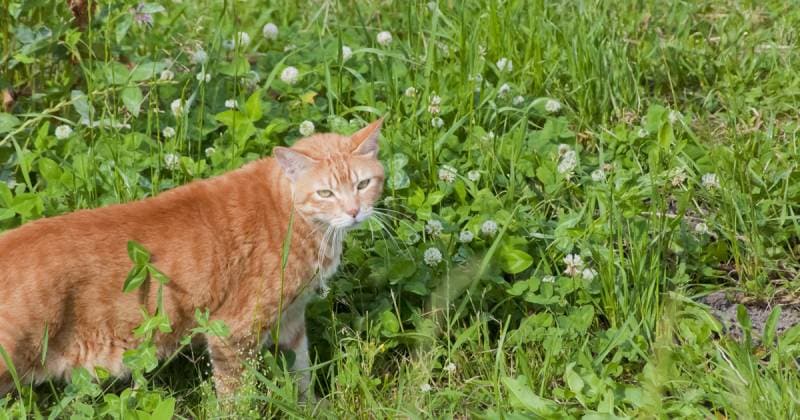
396 213
383 225
393 218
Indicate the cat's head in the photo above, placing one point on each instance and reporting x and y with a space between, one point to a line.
335 179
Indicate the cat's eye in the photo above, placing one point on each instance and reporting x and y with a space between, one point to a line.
325 193
363 184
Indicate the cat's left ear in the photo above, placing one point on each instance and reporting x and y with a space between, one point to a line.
292 162
365 141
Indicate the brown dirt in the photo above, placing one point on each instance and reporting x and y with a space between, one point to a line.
723 306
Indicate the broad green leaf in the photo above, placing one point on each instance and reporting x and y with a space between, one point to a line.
138 253
744 319
8 122
132 99
136 277
518 288
150 8
514 261
231 117
523 397
574 381
389 323
122 26
164 410
239 66
666 136
252 108
308 97
771 326
6 214
146 71
49 170
81 103
398 179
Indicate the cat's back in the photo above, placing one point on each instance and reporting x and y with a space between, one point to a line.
175 221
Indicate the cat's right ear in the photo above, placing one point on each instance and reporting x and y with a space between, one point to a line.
292 162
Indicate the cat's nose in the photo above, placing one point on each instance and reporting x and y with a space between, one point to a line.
353 212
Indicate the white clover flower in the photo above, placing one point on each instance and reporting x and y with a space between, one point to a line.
518 100
289 47
549 279
489 227
701 228
346 53
384 38
474 175
505 64
678 177
411 92
203 76
210 151
504 89
432 6
270 31
425 388
63 132
437 122
574 265
710 181
289 75
552 106
231 103
642 133
563 149
306 128
168 132
482 51
413 238
242 39
228 44
673 117
177 107
568 162
443 48
588 274
172 161
433 228
199 57
167 75
450 367
448 174
435 102
477 78
598 175
488 137
465 237
252 80
432 256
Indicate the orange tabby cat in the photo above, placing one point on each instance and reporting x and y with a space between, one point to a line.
218 240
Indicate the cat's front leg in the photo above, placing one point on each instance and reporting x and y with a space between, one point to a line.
227 357
302 363
292 336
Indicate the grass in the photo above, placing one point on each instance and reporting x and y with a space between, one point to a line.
648 97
